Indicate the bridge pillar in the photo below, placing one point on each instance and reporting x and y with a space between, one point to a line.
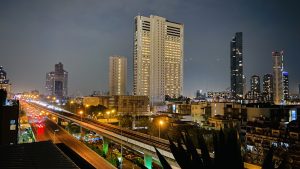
148 161
105 145
59 120
133 122
82 133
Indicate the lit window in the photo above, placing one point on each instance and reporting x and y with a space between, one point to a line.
12 121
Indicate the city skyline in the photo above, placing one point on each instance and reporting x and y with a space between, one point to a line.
83 35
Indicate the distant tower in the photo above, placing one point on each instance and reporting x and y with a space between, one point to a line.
198 94
268 88
2 75
277 73
285 78
57 82
236 65
255 87
117 75
158 58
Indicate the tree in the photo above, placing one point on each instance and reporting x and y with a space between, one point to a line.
167 98
125 121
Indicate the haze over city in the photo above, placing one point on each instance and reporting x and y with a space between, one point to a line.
150 84
82 35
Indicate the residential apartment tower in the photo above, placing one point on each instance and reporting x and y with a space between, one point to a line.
117 75
158 58
236 66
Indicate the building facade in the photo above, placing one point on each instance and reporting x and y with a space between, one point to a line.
218 96
285 83
278 80
255 87
9 120
57 82
236 66
130 104
158 58
268 88
117 75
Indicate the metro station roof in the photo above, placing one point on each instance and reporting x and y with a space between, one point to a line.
36 155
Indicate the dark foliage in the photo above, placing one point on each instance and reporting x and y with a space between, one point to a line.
162 160
227 152
269 163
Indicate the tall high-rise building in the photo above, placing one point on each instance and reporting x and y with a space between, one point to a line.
268 88
57 82
117 75
158 58
198 94
277 73
285 83
255 86
236 65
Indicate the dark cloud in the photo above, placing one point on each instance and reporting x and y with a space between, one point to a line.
34 35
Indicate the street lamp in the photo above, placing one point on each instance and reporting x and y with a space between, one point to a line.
121 159
159 124
71 102
108 112
81 113
86 107
53 99
54 118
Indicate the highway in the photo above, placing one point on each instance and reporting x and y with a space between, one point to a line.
147 139
61 136
132 139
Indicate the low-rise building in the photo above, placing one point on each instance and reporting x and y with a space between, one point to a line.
129 104
9 120
198 111
91 101
218 122
96 100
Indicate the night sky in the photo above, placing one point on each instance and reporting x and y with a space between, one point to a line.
82 34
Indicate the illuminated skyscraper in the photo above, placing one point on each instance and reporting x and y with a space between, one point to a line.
158 58
277 73
255 87
285 80
236 65
117 75
268 88
57 82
